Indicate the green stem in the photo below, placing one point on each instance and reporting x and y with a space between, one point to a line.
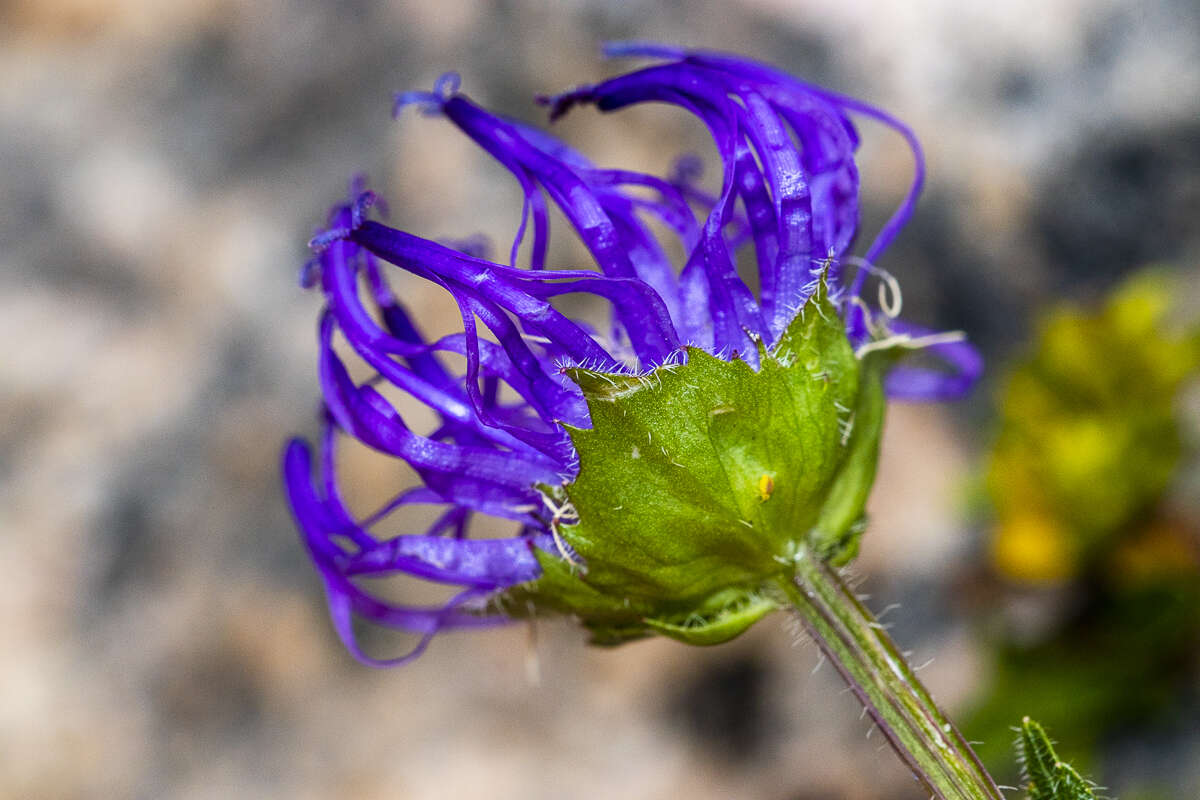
860 649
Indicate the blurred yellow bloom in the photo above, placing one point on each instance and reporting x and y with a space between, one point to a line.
1032 549
1088 438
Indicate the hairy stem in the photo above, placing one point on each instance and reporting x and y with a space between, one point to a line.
879 675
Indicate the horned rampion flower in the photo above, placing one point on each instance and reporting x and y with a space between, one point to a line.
664 473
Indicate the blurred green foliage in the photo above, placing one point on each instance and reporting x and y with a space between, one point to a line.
1089 441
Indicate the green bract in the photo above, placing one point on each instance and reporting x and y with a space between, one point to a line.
1046 777
700 482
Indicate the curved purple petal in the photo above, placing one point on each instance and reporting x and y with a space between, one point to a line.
347 600
651 332
928 385
487 480
484 563
765 169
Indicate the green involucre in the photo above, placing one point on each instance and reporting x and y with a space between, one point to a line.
699 481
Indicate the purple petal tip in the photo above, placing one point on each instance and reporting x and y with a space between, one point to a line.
628 49
430 102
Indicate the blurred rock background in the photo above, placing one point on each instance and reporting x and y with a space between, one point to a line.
163 164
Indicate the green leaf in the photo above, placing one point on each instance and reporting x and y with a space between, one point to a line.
733 612
1046 777
698 483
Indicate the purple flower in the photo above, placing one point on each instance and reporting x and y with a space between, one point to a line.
789 194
